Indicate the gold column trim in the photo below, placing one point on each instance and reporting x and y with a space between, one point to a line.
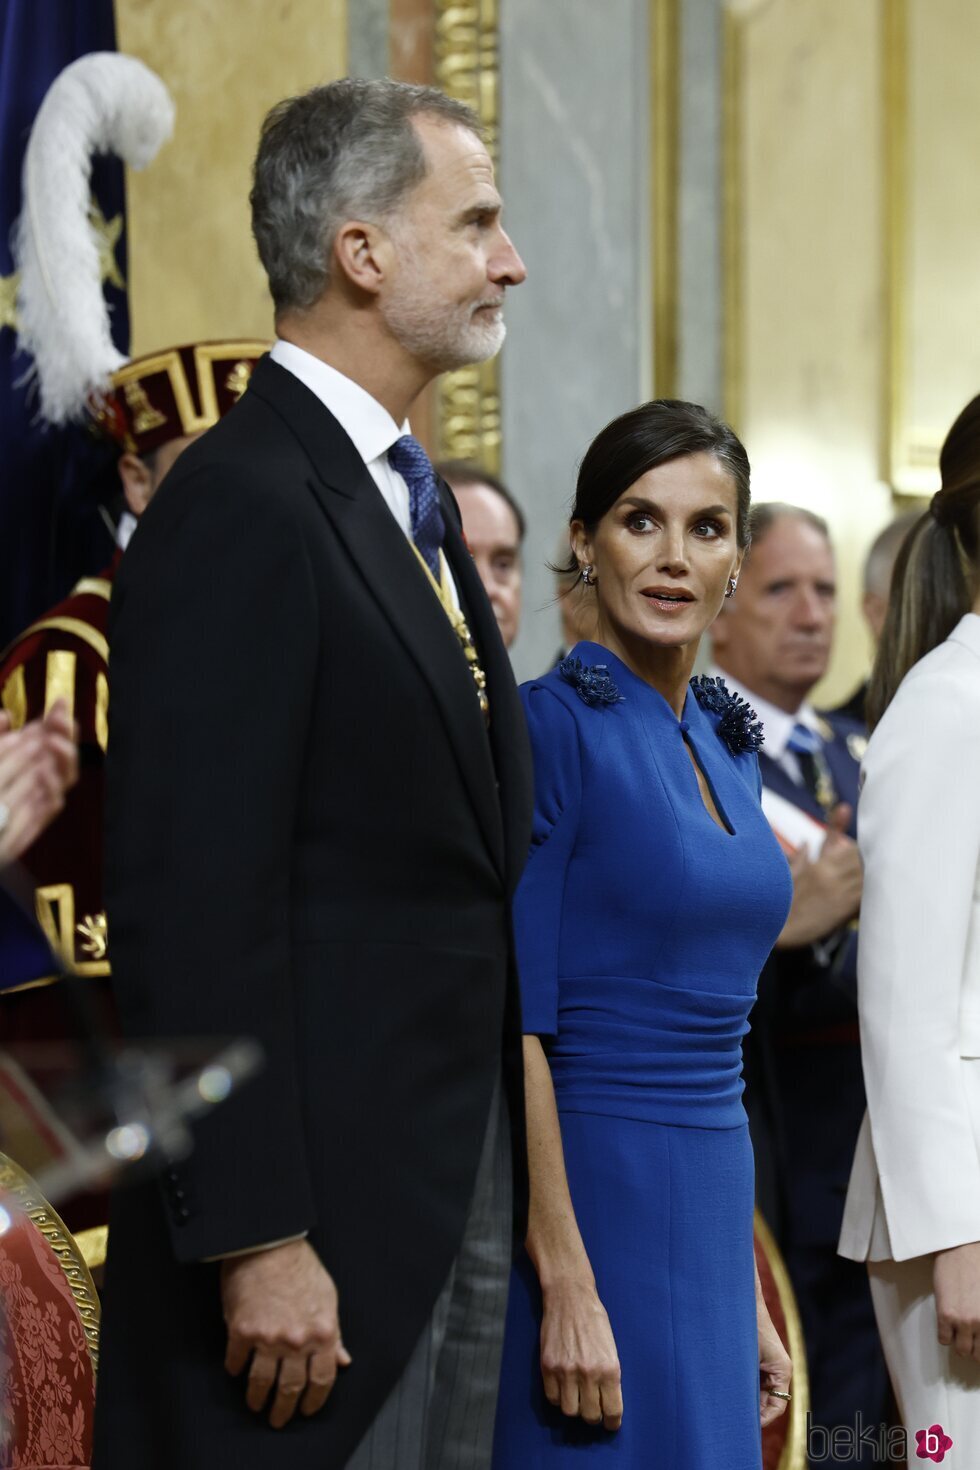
732 185
25 1195
665 64
894 233
467 67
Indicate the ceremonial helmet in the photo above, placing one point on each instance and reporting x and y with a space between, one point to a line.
105 102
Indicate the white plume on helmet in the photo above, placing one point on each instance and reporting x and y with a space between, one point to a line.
102 103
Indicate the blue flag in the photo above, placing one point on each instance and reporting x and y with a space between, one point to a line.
51 481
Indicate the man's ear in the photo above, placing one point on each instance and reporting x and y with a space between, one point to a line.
137 483
363 253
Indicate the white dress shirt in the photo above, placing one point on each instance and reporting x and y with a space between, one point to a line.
776 723
369 425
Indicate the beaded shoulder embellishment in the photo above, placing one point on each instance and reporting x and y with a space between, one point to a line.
739 727
592 683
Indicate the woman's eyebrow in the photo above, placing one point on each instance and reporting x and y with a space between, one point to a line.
642 503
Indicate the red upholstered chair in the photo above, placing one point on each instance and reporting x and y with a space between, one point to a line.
784 1442
49 1333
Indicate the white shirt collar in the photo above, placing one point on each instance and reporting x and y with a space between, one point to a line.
776 723
368 424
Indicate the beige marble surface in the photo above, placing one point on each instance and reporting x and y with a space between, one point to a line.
193 269
810 356
941 282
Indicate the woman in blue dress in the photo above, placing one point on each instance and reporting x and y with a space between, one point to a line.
654 891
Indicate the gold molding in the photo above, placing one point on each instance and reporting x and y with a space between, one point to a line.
732 187
467 67
894 23
793 1456
25 1195
665 65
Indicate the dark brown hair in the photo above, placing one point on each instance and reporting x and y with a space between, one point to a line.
651 435
933 582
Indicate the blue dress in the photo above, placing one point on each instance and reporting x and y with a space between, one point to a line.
641 930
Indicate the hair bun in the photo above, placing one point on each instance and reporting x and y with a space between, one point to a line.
938 508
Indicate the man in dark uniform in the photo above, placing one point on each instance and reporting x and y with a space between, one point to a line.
804 1085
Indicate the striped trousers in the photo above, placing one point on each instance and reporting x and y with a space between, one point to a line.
440 1414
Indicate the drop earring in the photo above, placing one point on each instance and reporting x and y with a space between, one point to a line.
588 575
732 587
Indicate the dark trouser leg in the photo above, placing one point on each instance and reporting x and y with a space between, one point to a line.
460 1431
440 1414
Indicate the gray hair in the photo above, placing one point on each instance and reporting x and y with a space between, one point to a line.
763 517
342 151
880 562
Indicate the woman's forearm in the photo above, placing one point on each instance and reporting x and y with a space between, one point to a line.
553 1239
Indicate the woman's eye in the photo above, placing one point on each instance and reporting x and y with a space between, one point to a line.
707 529
639 522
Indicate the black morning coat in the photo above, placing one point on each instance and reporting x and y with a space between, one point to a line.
312 839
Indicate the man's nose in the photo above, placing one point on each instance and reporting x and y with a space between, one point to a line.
812 610
506 266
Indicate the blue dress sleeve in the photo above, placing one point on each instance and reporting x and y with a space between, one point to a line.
540 893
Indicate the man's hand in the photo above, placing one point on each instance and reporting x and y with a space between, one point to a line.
38 764
956 1283
826 893
280 1308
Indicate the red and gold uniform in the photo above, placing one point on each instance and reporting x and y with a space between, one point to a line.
65 655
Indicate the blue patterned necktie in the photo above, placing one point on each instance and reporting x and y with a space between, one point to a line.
807 746
409 459
804 741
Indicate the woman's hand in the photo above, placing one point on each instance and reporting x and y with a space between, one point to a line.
579 1362
38 764
956 1284
775 1367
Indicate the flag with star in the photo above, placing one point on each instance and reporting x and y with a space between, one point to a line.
53 482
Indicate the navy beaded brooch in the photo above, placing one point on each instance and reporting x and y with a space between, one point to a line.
592 683
739 726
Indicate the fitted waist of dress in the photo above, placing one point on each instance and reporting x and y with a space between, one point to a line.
639 1048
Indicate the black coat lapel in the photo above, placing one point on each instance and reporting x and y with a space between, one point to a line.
508 729
356 509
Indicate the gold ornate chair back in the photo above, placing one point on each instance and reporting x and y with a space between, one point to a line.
49 1330
783 1442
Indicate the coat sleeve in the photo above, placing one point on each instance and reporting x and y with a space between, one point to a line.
919 832
541 891
213 635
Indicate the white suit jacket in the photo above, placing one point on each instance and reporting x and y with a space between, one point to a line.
915 1184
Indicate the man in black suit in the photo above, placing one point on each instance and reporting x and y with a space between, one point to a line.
318 807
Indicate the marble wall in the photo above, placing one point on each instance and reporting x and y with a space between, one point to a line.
574 170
